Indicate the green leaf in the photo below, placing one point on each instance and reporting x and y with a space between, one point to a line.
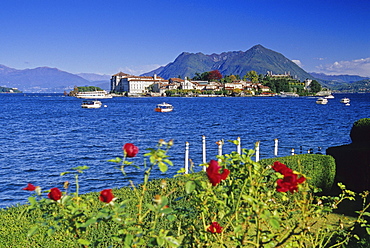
65 199
164 201
190 187
32 231
115 160
32 200
171 240
274 223
151 207
83 242
51 231
166 210
160 241
171 217
169 162
128 240
81 168
162 167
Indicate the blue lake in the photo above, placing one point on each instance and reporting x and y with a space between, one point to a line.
43 135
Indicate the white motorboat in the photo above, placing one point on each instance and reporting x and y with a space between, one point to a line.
329 97
345 100
163 107
322 100
288 94
98 94
91 104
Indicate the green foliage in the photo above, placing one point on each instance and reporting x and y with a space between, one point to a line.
88 88
319 169
360 132
364 122
315 86
252 76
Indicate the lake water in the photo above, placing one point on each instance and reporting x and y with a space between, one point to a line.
43 135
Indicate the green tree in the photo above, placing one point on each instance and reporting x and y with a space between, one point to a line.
252 76
315 86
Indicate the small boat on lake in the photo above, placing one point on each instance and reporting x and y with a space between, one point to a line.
164 107
329 97
322 100
345 100
98 94
288 94
91 104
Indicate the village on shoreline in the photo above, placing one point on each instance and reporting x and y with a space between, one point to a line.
210 84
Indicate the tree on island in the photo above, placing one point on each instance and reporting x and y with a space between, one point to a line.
214 75
252 76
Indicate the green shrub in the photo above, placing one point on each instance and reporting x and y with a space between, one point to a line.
360 132
320 169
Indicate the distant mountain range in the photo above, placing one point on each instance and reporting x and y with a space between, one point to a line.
257 58
45 79
338 78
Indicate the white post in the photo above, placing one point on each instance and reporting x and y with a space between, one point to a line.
219 143
186 157
204 152
239 147
292 151
276 147
257 151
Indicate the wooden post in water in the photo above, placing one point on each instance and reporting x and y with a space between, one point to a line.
276 147
239 147
257 151
186 157
219 143
204 152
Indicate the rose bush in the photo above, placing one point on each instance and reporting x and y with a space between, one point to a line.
241 204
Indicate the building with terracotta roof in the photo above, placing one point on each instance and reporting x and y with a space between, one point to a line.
133 85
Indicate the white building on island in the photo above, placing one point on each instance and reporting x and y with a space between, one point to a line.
133 85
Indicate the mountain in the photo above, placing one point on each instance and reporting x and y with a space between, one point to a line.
257 58
101 81
94 77
338 78
41 79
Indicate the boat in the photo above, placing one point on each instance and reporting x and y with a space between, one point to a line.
329 97
164 107
322 100
345 100
288 94
91 104
98 94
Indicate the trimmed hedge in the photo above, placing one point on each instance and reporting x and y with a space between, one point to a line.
319 169
360 132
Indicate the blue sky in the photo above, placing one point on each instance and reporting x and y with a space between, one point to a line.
133 36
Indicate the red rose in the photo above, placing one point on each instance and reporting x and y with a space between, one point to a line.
289 183
55 194
281 168
130 150
214 228
213 173
30 187
106 195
